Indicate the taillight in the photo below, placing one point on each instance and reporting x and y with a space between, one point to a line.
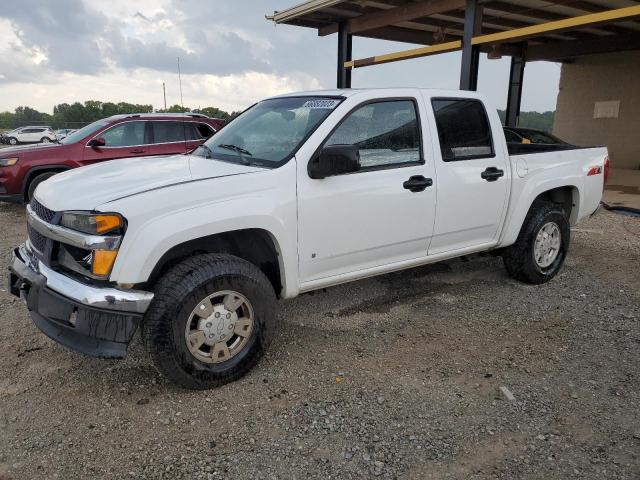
606 172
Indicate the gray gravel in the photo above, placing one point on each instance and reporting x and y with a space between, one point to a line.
394 377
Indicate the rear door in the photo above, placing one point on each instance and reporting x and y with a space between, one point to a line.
380 215
126 139
473 175
170 137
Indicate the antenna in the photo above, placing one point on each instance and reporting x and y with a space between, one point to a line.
164 93
184 127
180 83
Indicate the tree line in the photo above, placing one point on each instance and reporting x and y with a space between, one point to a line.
78 114
538 120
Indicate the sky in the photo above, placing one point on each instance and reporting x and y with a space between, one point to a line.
230 56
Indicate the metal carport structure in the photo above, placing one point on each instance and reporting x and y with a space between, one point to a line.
526 30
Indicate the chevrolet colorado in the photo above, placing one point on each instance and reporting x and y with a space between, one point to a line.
300 192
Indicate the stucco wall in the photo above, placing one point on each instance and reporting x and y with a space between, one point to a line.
602 78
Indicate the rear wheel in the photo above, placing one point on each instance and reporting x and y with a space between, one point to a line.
210 321
542 245
38 179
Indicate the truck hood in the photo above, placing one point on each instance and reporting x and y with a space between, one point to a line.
88 187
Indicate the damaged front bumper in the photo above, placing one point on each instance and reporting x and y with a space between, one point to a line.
96 321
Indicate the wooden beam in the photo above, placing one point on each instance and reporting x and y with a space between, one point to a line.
518 34
406 35
395 15
563 50
406 54
589 20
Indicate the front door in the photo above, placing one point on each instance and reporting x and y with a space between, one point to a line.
127 139
473 177
377 216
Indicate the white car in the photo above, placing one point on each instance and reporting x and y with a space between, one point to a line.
298 193
35 134
63 133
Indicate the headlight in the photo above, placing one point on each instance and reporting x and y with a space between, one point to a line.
94 224
8 162
100 261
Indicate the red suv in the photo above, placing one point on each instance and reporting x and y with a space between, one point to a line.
121 136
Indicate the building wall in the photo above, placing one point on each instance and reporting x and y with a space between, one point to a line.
592 86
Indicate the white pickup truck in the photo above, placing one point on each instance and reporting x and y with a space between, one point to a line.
300 192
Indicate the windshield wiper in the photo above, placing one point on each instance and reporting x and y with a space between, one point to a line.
205 147
235 148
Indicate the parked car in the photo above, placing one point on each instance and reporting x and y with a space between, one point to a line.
120 136
300 192
63 132
34 134
529 140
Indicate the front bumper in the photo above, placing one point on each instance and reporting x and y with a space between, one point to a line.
96 321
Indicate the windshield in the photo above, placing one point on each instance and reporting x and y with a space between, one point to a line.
270 132
84 131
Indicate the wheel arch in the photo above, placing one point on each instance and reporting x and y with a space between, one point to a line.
255 245
567 195
35 171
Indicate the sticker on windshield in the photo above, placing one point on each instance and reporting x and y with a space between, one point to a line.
325 104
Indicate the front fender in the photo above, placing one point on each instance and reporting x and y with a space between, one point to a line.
161 219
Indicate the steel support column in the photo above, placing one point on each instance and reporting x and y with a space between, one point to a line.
514 97
344 55
470 53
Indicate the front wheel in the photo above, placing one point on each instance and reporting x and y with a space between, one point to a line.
542 245
13 141
45 140
210 321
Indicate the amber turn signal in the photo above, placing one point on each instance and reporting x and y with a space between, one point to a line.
103 261
105 223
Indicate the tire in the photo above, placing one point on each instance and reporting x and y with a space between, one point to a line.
38 179
520 258
12 141
171 313
45 140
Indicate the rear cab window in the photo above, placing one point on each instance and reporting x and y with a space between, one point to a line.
463 129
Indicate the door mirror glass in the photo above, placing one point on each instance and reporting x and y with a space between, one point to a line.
96 142
335 160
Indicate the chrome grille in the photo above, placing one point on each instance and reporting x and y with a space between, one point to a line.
37 240
41 211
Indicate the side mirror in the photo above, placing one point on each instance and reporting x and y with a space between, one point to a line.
96 142
335 160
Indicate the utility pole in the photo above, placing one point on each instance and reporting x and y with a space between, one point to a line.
164 92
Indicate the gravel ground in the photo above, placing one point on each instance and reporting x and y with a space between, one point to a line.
395 377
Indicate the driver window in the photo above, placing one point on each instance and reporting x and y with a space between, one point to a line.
126 134
386 133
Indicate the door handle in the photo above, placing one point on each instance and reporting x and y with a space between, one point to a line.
491 174
138 151
417 183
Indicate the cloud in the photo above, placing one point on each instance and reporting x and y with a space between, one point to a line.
123 50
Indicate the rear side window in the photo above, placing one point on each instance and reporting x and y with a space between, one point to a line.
199 131
386 133
463 129
169 132
125 134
